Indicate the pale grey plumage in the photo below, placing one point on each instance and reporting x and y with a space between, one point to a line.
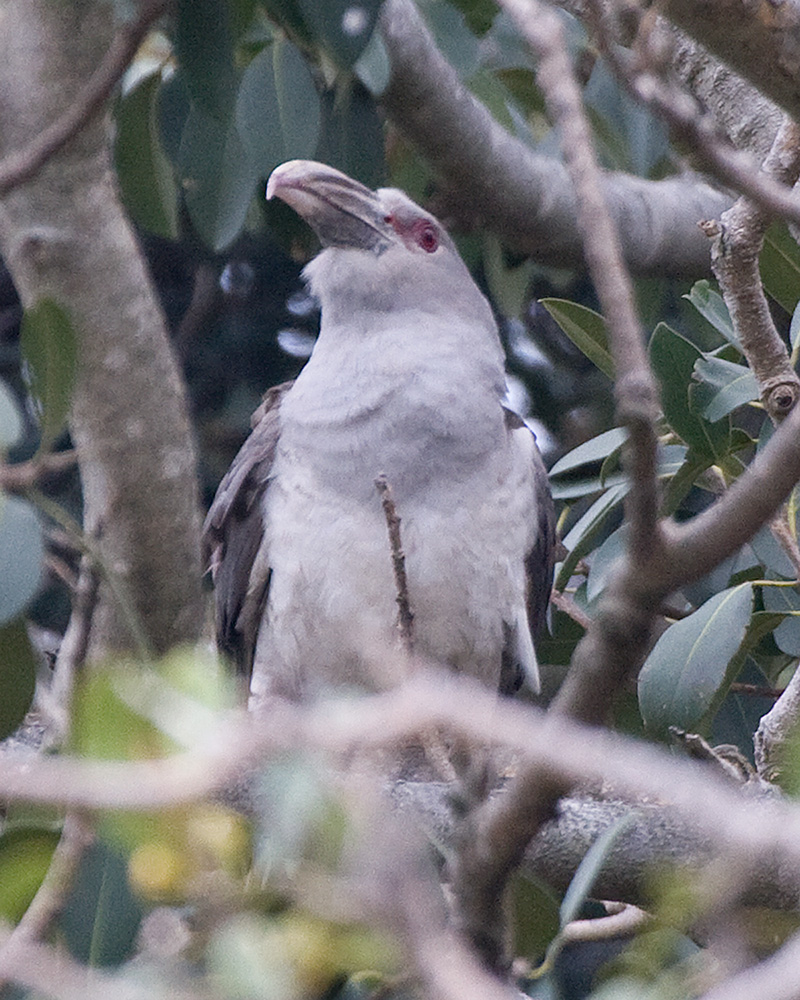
406 379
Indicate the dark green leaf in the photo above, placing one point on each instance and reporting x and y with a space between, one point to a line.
21 554
780 266
219 178
771 554
687 671
351 138
534 910
25 855
17 677
711 307
673 359
604 560
50 352
101 919
204 46
580 538
592 451
585 328
343 27
570 488
10 418
278 108
786 601
145 174
733 385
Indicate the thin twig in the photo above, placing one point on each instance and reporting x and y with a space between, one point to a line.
20 165
51 897
405 614
23 476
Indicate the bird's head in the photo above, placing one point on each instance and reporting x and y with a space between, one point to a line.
379 247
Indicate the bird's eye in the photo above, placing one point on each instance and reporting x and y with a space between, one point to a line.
428 238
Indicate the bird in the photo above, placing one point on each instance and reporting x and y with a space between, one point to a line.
406 381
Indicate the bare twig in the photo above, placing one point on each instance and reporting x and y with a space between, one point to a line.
23 476
21 165
406 615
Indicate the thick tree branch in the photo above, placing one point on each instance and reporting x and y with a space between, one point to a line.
64 234
526 198
759 42
20 165
736 248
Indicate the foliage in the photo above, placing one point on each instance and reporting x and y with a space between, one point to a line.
237 87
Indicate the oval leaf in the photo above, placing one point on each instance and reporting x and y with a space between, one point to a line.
686 672
204 46
17 678
786 602
343 27
219 178
594 450
733 385
21 554
50 355
779 264
585 328
277 108
145 174
581 536
673 358
711 307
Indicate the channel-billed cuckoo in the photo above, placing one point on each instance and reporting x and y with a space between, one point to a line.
406 380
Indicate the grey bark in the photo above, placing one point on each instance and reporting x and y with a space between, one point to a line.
524 197
63 234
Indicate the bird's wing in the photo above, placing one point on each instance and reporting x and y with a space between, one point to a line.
233 533
539 562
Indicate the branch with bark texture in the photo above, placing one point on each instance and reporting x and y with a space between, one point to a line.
738 239
64 234
526 198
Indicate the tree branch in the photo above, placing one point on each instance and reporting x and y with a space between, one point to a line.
736 248
524 197
20 165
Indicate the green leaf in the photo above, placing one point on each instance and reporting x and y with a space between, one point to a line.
101 919
25 856
534 910
688 670
219 178
145 174
50 356
786 602
585 328
342 27
592 451
17 678
604 560
10 418
580 538
780 266
204 46
733 385
590 867
278 108
373 68
21 555
673 358
711 307
351 137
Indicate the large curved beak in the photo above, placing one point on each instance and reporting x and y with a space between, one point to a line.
341 211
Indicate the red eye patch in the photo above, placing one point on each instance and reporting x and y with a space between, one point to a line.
420 232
